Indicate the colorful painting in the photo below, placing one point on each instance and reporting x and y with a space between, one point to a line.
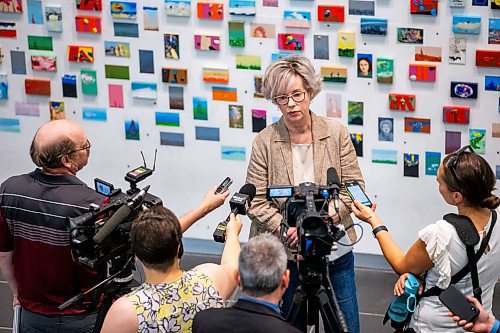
466 24
452 141
411 163
4 87
150 15
402 102
357 142
207 43
424 7
224 94
456 50
334 74
428 53
132 131
210 10
385 70
361 7
178 8
144 90
411 35
385 129
384 156
463 90
346 44
117 49
242 7
248 62
495 130
493 31
10 125
44 61
258 120
200 108
88 24
78 53
123 10
296 19
235 113
35 12
117 72
492 83
56 110
422 72
89 5
354 113
174 75
293 42
115 93
171 42
94 114
43 43
417 125
124 29
487 58
207 133
373 26
236 33
167 119
37 87
263 30
331 13
456 114
88 78
172 139
11 6
53 18
8 29
69 86
215 75
365 65
477 140
432 162
257 84
231 153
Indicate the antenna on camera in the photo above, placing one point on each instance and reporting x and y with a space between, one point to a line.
140 173
154 162
143 159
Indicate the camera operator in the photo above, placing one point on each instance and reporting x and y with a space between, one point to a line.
170 297
299 148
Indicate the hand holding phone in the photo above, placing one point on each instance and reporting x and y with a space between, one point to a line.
458 304
224 185
355 192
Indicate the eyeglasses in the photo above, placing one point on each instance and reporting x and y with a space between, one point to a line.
297 97
453 161
87 147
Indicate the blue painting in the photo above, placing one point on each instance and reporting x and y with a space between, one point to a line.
126 29
132 131
432 161
172 139
467 24
123 10
35 12
492 83
9 125
144 90
384 156
373 26
233 153
207 133
93 113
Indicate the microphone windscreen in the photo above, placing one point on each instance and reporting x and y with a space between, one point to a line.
332 177
114 221
248 189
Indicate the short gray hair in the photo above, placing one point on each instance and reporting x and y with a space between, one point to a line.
262 264
279 74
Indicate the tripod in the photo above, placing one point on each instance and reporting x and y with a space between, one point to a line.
312 298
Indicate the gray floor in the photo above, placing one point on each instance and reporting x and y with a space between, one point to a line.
374 295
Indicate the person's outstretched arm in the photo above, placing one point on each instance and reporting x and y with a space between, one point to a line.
121 317
210 202
482 324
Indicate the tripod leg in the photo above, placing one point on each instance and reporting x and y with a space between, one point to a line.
298 303
332 319
106 304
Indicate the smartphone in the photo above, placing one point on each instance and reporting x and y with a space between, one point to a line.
458 303
356 193
224 185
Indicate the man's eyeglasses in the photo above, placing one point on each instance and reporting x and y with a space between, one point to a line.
86 147
453 161
297 97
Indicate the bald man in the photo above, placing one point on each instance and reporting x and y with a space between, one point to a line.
35 256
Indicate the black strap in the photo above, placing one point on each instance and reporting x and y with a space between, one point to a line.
471 267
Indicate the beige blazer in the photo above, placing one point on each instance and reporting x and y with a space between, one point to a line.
271 164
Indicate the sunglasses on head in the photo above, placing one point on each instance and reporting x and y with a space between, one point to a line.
453 161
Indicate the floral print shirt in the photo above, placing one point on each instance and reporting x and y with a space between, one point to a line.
171 307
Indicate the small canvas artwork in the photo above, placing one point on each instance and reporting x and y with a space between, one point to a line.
172 139
88 24
8 29
477 140
35 12
248 62
357 142
456 3
385 129
89 5
385 70
176 97
296 19
401 102
10 125
56 109
346 44
174 75
428 53
334 74
463 90
178 8
452 141
37 87
227 94
354 113
115 96
495 4
236 31
492 83
132 130
150 15
321 47
280 55
257 84
495 130
487 58
11 6
215 75
171 119
123 10
79 53
270 3
289 41
27 109
210 10
417 125
384 156
117 49
424 7
456 50
42 43
242 7
88 78
231 153
69 86
331 13
422 72
207 133
333 105
373 26
411 35
411 163
493 31
432 162
258 120
365 65
235 113
146 61
200 108
207 43
18 62
263 30
466 24
456 114
53 18
124 29
480 3
4 87
44 61
362 7
171 42
117 72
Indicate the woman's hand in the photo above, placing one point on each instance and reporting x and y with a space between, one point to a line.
399 287
365 213
291 237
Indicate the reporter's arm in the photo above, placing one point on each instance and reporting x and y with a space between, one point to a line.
484 323
121 317
7 268
210 202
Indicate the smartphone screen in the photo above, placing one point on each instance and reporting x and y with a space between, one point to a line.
357 193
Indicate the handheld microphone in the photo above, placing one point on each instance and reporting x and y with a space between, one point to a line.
239 203
333 181
120 215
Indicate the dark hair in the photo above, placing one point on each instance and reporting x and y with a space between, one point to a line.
476 180
368 61
49 155
155 236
